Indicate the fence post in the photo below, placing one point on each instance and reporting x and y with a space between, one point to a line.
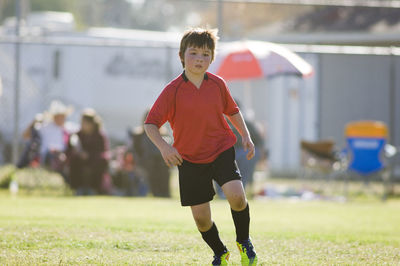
16 82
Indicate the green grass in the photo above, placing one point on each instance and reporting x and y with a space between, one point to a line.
147 231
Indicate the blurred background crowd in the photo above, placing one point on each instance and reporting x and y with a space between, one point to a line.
81 155
78 76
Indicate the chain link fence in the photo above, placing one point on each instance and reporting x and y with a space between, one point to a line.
120 79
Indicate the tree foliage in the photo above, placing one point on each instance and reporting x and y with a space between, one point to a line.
162 15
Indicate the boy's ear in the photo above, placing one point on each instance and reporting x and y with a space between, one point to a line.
181 58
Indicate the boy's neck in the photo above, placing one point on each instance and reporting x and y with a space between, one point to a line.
195 78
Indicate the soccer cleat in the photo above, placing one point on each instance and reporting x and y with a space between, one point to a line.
247 252
221 259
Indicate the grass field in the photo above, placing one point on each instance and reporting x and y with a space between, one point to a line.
147 231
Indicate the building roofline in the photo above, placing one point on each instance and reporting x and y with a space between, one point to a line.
343 49
331 38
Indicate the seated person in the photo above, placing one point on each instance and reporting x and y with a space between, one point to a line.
48 140
87 154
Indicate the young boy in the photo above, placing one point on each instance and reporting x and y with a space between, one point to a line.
195 104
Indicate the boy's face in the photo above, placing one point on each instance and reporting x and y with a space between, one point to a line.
197 59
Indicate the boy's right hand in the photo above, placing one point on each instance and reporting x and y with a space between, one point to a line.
171 156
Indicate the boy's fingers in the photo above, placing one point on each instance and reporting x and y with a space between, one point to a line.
180 158
173 160
176 160
250 154
170 162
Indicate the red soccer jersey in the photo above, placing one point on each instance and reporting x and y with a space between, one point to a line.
196 116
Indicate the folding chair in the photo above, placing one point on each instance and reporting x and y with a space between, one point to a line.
321 165
317 158
366 142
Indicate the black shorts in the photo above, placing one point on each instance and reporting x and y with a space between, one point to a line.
195 180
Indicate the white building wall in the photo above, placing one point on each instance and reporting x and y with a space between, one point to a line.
292 116
120 83
30 91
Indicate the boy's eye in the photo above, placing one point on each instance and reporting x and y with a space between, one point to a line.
206 55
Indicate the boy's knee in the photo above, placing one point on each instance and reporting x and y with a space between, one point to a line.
203 222
238 203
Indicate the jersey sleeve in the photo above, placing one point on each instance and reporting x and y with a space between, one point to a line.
230 106
162 109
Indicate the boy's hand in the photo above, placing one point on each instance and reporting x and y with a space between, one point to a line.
248 146
171 156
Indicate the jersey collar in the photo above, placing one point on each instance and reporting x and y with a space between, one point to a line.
186 78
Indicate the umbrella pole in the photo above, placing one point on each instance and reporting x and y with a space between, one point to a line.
248 103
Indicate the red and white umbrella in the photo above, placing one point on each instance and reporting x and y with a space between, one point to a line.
253 59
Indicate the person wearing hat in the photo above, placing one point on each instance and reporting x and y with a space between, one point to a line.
53 136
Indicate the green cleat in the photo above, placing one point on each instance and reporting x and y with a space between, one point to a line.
222 259
247 253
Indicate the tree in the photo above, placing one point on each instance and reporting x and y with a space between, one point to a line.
162 15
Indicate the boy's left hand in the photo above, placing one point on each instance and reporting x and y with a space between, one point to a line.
248 145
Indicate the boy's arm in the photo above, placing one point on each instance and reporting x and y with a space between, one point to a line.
238 122
169 153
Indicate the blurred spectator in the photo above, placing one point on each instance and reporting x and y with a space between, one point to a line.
47 141
149 159
31 153
126 178
87 154
246 167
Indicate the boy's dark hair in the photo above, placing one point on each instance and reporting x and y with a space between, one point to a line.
199 38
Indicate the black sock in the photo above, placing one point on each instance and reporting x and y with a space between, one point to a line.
212 239
241 219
